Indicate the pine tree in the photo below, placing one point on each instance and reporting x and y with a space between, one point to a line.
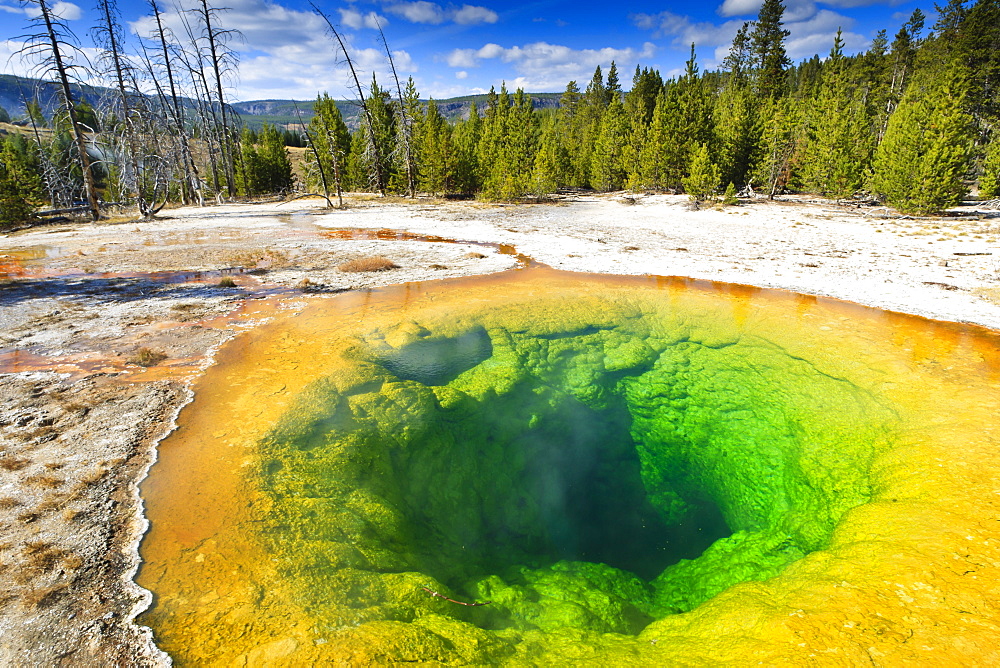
466 138
978 46
35 114
406 150
739 61
920 164
737 134
989 182
614 88
660 163
607 167
358 175
838 142
14 208
276 167
438 160
901 55
17 188
551 160
249 168
780 132
21 159
571 128
380 126
768 48
507 150
639 102
703 175
332 141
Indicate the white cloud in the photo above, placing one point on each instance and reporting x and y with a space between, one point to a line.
461 74
67 10
795 10
63 10
288 53
418 12
265 26
356 20
816 35
469 15
544 66
808 36
434 14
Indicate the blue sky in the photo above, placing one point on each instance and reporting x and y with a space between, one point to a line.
456 49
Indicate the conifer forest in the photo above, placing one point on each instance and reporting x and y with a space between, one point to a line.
913 123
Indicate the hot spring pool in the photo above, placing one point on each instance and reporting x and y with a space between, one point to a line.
616 470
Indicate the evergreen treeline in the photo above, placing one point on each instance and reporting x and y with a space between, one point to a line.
912 122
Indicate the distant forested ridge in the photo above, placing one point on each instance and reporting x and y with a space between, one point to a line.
911 122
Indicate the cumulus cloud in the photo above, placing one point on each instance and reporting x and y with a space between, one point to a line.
434 14
418 12
461 74
265 26
356 20
809 35
64 10
287 53
469 15
542 66
795 10
269 76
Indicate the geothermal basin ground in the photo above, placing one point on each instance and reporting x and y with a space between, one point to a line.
105 327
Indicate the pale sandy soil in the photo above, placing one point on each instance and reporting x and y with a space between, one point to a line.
79 419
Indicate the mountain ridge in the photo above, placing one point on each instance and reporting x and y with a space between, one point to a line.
281 112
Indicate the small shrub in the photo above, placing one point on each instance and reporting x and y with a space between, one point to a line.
375 263
729 197
146 357
438 266
227 282
475 256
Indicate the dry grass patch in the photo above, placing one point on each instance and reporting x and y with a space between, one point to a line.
146 357
39 557
13 463
8 502
45 596
475 256
438 266
374 263
258 258
44 481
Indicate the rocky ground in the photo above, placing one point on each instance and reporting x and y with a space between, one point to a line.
104 326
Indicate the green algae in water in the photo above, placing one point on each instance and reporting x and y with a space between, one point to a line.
589 473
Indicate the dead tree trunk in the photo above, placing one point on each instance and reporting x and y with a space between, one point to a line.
58 64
